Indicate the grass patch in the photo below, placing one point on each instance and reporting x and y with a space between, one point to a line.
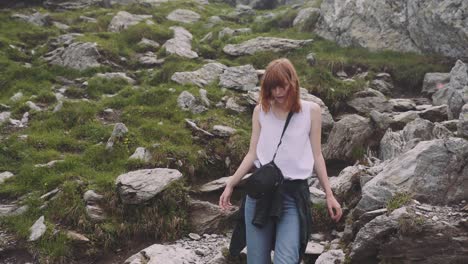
398 200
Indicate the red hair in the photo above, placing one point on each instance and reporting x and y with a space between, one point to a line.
280 72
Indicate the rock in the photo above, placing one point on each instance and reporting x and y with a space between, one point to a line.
139 186
149 59
120 130
311 59
5 175
228 32
435 113
61 25
423 26
116 75
141 154
50 195
77 55
257 44
348 134
70 5
434 81
344 186
171 254
184 16
402 105
187 102
206 217
232 105
122 20
37 229
95 213
16 97
433 171
4 117
382 86
197 129
243 78
314 248
88 19
201 77
223 131
335 256
77 237
37 19
181 43
194 236
241 13
220 184
92 196
148 44
49 164
204 97
317 196
33 106
306 19
367 100
462 122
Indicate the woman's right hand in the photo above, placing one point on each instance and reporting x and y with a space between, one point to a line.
225 198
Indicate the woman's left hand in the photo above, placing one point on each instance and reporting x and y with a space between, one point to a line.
334 208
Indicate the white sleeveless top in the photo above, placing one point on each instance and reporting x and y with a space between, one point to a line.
294 156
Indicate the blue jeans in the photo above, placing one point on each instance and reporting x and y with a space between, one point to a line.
287 235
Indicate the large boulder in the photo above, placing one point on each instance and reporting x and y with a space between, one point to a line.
348 138
257 44
181 43
243 78
184 16
369 99
434 171
434 81
206 217
201 77
77 55
136 187
122 20
37 18
428 234
463 122
306 18
430 26
171 254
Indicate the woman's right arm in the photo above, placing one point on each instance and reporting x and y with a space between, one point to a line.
246 163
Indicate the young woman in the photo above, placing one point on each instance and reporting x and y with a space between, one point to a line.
297 155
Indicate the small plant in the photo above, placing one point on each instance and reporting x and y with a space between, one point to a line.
398 200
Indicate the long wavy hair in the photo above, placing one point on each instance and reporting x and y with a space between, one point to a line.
280 72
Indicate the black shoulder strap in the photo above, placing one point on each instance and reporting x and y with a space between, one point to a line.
284 130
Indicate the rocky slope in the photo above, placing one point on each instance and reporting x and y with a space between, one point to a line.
121 120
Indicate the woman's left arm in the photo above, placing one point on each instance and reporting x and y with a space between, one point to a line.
334 208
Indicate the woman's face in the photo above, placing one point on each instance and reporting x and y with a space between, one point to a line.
280 93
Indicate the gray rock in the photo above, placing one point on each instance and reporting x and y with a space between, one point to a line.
223 131
434 81
122 20
184 16
181 43
367 100
204 97
232 105
435 113
32 106
335 256
433 171
37 229
5 175
228 32
16 97
171 254
257 44
36 18
141 154
148 43
242 78
317 196
77 55
220 184
88 19
116 75
311 59
139 186
70 5
95 213
120 130
462 122
92 196
4 117
201 77
409 26
314 248
306 18
382 86
206 217
187 102
402 105
351 132
149 59
60 25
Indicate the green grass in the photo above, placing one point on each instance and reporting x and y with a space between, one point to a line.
398 200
